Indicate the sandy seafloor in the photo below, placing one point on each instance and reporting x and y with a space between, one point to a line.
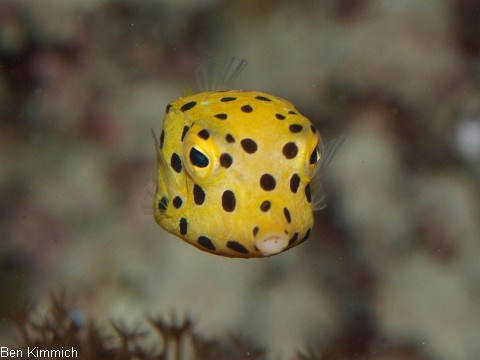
397 252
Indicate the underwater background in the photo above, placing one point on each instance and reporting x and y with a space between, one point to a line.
392 268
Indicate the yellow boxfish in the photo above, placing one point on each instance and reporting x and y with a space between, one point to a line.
238 172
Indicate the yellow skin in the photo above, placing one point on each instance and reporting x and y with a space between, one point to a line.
243 191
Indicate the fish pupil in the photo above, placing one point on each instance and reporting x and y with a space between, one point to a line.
313 157
198 159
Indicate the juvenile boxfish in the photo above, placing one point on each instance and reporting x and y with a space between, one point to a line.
239 172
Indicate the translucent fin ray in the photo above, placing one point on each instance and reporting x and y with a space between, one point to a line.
219 73
328 151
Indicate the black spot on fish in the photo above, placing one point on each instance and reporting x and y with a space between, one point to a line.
177 202
236 246
221 116
293 239
290 150
184 132
227 99
206 243
292 112
306 236
230 138
163 203
204 134
294 183
262 98
280 116
188 106
162 138
267 182
176 163
255 231
265 206
226 160
313 129
169 106
183 226
246 108
308 194
295 128
287 215
249 145
228 201
198 194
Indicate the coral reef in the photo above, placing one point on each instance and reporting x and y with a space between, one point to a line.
61 327
163 339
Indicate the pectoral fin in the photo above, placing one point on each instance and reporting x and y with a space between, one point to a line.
319 200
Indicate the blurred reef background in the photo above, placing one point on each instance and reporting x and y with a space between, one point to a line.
392 270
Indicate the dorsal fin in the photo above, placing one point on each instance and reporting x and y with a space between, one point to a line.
217 74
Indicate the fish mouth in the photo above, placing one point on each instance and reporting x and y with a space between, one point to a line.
272 244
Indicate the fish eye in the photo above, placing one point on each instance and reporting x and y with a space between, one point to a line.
315 156
198 159
201 155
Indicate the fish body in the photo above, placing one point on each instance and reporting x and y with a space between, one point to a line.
234 173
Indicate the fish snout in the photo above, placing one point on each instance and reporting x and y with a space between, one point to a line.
271 244
273 226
